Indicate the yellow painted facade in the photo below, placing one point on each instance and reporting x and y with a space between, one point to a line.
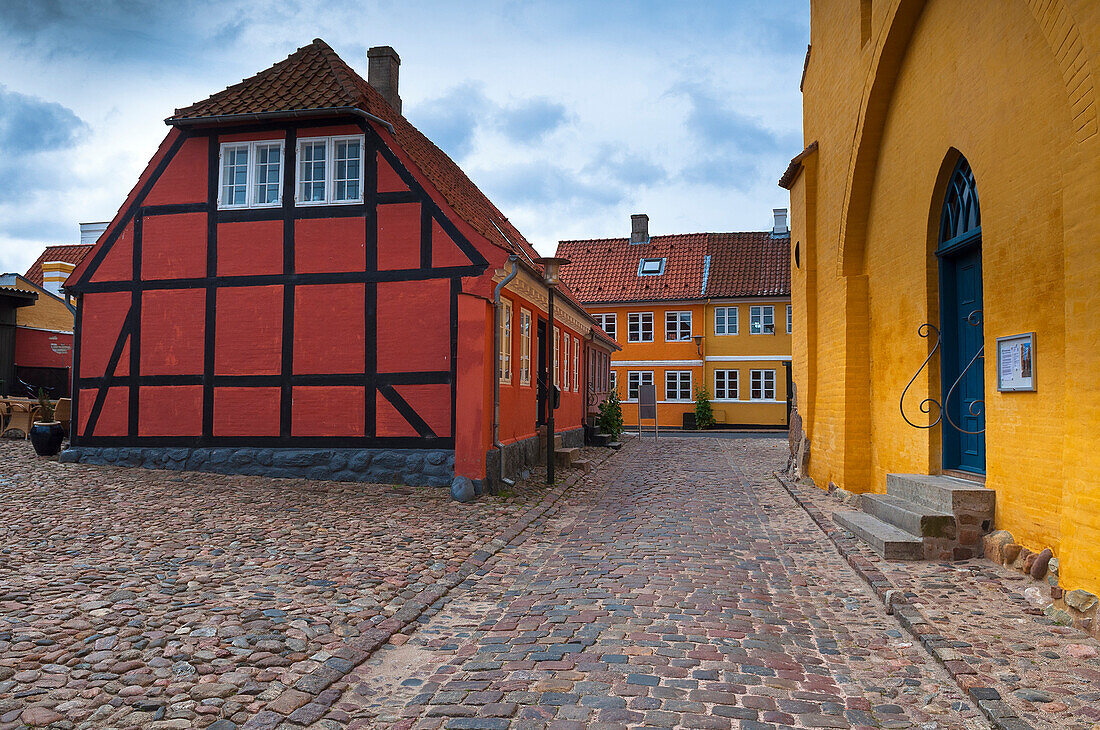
48 312
889 106
742 353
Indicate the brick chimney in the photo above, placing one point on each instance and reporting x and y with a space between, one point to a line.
639 228
382 65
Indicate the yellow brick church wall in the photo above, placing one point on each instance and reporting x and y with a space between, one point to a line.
1009 85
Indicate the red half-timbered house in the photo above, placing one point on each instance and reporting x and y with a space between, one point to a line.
302 284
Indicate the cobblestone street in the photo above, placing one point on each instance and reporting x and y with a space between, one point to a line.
676 585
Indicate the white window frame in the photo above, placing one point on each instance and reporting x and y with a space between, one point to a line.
678 323
557 342
723 392
565 362
678 375
604 319
758 385
759 315
330 169
524 346
790 317
250 173
635 320
726 312
576 365
642 375
505 342
613 383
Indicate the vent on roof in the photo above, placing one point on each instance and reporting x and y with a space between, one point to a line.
639 228
779 228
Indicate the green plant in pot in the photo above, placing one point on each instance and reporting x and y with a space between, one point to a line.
704 413
46 434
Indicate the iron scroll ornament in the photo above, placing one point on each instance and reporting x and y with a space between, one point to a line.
974 319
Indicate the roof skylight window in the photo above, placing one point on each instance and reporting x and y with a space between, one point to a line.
651 267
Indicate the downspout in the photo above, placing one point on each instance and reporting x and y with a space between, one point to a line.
512 259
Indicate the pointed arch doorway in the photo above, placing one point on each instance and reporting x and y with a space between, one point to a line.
962 379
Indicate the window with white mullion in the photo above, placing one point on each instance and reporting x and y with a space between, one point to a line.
677 326
762 385
725 385
678 385
639 327
312 172
762 320
634 380
347 172
267 174
725 320
234 173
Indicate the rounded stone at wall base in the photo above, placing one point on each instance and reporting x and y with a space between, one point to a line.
1039 566
462 490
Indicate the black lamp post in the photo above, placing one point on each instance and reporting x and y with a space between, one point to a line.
551 270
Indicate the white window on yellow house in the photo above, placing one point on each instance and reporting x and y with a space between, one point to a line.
789 319
725 385
524 347
762 385
614 383
725 320
762 320
609 323
576 365
677 326
556 344
678 385
635 379
565 362
639 327
505 341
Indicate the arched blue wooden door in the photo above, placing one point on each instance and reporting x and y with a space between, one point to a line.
962 377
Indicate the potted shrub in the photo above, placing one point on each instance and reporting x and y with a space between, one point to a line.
704 414
47 434
611 416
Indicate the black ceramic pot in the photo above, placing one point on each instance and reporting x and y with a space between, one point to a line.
46 438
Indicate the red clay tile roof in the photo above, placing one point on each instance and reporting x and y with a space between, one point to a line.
73 254
314 77
605 270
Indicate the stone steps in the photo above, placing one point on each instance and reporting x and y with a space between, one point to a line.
943 494
583 464
916 519
889 541
615 445
944 516
566 457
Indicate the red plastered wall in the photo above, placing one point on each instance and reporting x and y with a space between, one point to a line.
43 349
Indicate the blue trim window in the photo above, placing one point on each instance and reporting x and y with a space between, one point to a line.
651 267
961 216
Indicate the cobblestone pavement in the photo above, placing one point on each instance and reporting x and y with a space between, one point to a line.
678 586
136 598
1047 673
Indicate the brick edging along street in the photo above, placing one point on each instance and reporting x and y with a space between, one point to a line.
325 684
988 699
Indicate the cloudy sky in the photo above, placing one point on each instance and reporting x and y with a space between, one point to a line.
569 114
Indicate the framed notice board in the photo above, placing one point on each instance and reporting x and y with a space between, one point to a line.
1016 363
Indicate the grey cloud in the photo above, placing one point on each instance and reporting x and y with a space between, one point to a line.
543 183
450 120
30 129
625 167
531 120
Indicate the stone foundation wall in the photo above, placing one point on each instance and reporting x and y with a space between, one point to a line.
413 467
521 455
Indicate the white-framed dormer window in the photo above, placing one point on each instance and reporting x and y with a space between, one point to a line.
762 385
678 385
725 320
789 318
609 324
330 170
762 320
639 327
651 267
725 385
677 326
251 174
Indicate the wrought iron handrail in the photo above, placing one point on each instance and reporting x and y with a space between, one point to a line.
974 319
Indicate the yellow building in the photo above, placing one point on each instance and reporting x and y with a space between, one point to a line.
951 178
693 311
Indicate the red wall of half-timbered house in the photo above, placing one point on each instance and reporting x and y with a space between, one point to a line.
361 325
